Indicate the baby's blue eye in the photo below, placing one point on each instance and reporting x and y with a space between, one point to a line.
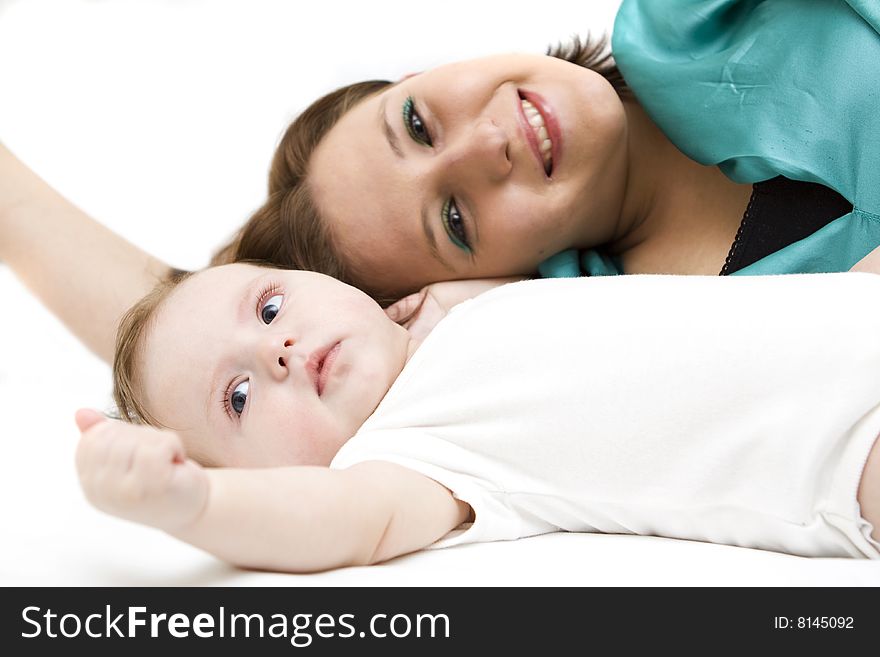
238 398
271 308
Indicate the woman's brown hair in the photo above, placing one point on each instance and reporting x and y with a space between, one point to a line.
288 230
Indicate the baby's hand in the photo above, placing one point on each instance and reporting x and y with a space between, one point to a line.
421 311
139 473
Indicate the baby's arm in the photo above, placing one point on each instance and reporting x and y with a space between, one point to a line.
86 274
303 519
295 519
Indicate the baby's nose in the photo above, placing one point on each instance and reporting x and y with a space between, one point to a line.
277 355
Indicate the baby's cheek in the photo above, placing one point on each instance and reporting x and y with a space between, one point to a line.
314 439
208 453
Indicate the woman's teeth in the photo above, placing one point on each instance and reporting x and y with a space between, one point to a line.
537 122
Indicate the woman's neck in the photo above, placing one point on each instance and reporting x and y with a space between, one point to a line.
677 216
652 169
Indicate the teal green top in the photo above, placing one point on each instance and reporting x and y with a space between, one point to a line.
763 88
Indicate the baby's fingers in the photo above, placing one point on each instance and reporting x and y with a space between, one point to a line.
106 451
93 449
86 418
157 456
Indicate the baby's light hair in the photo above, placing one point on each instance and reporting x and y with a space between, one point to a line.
127 357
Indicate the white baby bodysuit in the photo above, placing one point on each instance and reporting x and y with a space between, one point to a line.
736 410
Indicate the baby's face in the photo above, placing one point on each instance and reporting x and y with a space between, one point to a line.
262 367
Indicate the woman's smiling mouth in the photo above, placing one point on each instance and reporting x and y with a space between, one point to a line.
542 131
545 145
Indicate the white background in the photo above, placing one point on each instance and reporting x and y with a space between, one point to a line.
159 119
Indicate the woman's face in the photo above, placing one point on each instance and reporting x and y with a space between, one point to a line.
476 169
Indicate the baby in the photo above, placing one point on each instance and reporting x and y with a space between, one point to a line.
671 406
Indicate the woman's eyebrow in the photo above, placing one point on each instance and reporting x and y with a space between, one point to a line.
393 142
432 241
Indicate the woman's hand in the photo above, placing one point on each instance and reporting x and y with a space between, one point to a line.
139 473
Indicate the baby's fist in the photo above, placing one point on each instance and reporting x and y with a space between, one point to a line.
139 473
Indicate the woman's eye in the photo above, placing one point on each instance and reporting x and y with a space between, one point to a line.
414 124
271 308
238 398
453 222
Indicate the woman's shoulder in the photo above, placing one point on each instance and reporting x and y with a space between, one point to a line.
749 86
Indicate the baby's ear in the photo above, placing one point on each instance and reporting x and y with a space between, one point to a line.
400 312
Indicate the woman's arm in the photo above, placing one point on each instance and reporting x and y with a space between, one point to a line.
296 519
84 273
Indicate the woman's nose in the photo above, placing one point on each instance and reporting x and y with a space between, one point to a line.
276 354
483 151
